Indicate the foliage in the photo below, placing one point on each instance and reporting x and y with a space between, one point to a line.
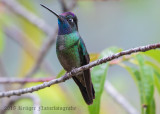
144 68
99 74
145 73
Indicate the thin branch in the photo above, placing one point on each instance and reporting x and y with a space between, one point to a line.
3 73
118 61
2 69
20 10
63 5
35 98
98 0
108 86
32 18
24 80
2 101
46 79
44 50
73 5
19 37
77 70
119 98
22 40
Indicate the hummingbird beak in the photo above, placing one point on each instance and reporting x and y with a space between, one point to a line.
52 12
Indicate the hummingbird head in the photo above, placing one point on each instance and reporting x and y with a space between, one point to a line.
67 22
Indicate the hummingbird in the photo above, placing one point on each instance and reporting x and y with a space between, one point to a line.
72 53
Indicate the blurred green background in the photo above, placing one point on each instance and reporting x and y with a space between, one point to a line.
102 24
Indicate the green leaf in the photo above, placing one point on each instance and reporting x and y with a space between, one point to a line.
154 54
147 82
93 56
154 62
61 73
157 81
156 67
2 40
143 77
98 78
151 107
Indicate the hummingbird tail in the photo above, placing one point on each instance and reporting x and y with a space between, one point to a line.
86 96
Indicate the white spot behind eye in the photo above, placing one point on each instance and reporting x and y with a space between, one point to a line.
71 20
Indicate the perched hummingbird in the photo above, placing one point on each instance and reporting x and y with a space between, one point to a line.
72 53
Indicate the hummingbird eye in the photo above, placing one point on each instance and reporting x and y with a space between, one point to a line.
70 20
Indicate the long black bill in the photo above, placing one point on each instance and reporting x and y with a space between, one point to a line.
50 11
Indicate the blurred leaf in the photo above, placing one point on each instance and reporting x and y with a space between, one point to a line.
155 59
156 74
34 34
151 108
2 40
88 6
143 78
146 75
3 19
29 5
98 78
156 67
51 97
61 73
24 106
94 56
157 81
155 63
154 54
146 91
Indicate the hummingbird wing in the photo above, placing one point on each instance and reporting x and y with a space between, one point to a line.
84 82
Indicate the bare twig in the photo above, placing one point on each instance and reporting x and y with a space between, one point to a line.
2 69
44 50
108 87
119 98
31 80
3 73
77 70
22 39
63 5
32 18
74 3
24 80
117 61
20 10
2 101
35 98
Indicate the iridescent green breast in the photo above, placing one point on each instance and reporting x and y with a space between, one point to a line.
67 50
